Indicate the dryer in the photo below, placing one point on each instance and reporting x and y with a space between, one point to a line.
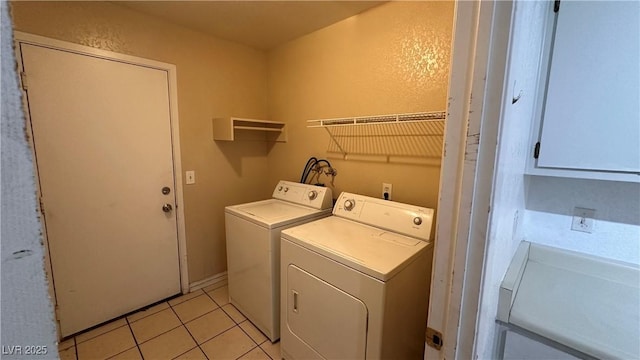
253 248
356 285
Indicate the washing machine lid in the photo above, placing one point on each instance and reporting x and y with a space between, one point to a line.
273 213
376 252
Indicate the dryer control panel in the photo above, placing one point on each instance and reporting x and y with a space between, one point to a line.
317 197
402 218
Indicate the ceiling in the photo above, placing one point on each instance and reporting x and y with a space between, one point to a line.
259 24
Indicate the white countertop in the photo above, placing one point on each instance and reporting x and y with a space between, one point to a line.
587 303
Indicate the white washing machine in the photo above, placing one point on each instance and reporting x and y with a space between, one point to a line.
253 248
356 285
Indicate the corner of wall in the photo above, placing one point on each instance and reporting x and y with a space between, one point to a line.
27 312
507 220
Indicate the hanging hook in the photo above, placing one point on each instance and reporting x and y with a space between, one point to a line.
515 99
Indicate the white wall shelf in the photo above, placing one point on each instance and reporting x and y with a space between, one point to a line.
414 138
225 128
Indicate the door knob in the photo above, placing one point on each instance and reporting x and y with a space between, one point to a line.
167 208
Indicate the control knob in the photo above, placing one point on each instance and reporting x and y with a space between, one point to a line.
349 204
417 220
286 189
312 194
279 188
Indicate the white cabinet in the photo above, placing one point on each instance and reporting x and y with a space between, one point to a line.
588 121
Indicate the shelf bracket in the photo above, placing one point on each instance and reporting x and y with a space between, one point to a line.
344 153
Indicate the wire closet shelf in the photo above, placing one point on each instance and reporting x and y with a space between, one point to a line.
407 138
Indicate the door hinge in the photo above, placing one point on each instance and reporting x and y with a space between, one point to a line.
23 80
41 203
434 338
556 6
536 150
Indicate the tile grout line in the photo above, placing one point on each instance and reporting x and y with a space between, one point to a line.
184 301
125 317
229 315
134 338
265 351
146 315
187 329
98 327
199 316
241 329
214 300
97 336
255 342
183 324
221 307
236 324
122 352
173 328
253 348
162 333
127 323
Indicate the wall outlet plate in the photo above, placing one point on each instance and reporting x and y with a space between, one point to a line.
190 176
583 220
386 191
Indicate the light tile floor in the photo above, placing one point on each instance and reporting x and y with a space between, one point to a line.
198 325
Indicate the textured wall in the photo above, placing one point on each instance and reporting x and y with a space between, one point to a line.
616 234
27 313
393 58
215 78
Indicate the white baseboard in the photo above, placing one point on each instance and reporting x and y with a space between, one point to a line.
218 280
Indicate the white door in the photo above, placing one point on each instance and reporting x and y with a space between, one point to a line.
102 138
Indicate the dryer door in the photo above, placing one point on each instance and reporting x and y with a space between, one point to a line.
328 320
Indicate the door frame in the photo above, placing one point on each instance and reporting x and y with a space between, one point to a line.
170 69
482 30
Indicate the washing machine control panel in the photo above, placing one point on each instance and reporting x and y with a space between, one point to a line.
406 219
317 197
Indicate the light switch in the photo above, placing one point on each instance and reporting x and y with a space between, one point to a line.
191 177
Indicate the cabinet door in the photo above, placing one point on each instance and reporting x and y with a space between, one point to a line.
591 117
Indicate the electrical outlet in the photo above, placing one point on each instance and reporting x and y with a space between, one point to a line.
386 191
191 177
583 220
